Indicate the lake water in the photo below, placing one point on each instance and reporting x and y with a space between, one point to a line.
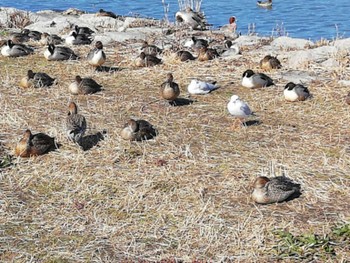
310 19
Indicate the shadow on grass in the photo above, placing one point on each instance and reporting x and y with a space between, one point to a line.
181 102
108 69
252 123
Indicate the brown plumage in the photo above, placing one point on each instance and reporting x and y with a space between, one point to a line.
138 130
34 145
184 55
149 60
269 62
169 90
36 80
206 54
150 49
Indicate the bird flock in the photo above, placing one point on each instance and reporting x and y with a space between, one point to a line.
266 190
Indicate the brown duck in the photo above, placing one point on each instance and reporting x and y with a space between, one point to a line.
138 130
169 90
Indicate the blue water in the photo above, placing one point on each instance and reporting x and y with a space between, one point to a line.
310 19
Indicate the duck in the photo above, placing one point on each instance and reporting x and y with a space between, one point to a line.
102 12
169 90
194 20
147 60
32 34
256 80
196 43
138 130
19 37
47 39
84 86
11 49
83 30
274 190
150 49
295 92
206 54
75 124
36 80
97 57
184 55
78 39
231 26
59 53
265 4
270 62
34 144
198 87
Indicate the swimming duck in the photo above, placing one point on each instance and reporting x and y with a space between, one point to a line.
269 62
97 56
84 86
75 124
138 130
59 53
34 145
196 43
268 3
231 27
194 20
36 80
169 90
150 49
77 39
148 60
15 50
256 80
83 30
274 190
184 55
206 54
47 39
293 92
198 87
102 12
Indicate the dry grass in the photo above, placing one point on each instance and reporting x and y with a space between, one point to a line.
184 195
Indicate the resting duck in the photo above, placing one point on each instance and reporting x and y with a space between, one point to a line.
231 27
194 20
83 30
34 145
184 55
293 92
150 49
169 90
269 62
196 43
47 39
59 53
84 86
15 50
198 87
78 39
97 56
138 130
36 80
32 34
147 60
19 37
268 3
206 54
255 80
75 124
274 190
102 12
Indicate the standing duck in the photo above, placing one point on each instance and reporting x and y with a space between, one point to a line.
11 49
97 56
231 26
274 190
255 80
295 92
36 80
59 53
34 145
169 90
84 86
138 130
75 124
269 62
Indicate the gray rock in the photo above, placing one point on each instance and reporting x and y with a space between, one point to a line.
297 76
291 43
344 82
248 40
342 44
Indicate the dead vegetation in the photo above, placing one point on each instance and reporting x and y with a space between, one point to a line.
184 196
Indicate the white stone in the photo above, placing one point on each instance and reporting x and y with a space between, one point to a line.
291 43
